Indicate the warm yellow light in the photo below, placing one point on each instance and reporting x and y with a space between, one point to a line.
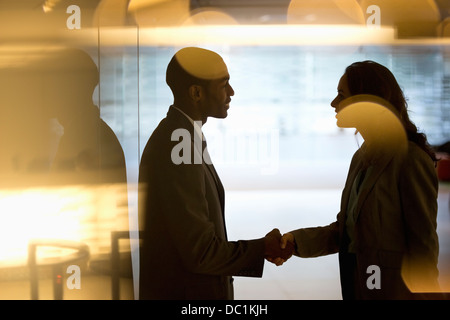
266 35
201 63
325 12
82 213
209 17
377 121
139 4
49 5
160 12
20 55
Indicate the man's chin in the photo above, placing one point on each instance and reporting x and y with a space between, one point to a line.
222 115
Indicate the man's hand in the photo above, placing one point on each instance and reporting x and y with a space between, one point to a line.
286 239
276 249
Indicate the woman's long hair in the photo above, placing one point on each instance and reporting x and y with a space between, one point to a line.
369 77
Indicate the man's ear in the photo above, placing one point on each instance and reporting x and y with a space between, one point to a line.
196 92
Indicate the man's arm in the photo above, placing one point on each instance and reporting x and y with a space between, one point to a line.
194 225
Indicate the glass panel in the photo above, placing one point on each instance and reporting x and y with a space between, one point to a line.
83 86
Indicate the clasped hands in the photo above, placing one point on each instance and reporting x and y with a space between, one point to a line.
278 248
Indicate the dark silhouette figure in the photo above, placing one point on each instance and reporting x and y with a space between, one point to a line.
56 140
185 252
26 132
89 154
88 148
389 203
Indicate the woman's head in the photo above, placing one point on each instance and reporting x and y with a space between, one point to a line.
369 77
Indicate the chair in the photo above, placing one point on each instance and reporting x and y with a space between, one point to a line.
56 263
116 264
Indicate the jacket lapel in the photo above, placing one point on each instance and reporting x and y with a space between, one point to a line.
198 146
219 186
212 171
370 181
352 174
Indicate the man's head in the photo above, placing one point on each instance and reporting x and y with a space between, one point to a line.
199 81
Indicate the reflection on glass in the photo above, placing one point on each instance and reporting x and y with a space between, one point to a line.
63 171
59 179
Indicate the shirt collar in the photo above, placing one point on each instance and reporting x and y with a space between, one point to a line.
197 124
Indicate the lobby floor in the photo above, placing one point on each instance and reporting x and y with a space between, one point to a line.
251 214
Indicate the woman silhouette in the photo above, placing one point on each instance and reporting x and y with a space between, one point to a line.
387 219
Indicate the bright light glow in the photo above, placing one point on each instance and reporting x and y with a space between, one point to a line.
258 35
49 5
139 4
267 35
82 213
20 55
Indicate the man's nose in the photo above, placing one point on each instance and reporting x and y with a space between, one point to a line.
231 91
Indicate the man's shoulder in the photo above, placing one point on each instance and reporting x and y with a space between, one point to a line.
173 121
162 140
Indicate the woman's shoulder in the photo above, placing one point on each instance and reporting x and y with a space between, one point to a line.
417 157
416 152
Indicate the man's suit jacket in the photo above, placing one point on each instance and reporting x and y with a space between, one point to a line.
395 228
185 252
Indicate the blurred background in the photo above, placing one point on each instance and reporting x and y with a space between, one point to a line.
82 87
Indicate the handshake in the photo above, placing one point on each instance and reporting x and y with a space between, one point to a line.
278 249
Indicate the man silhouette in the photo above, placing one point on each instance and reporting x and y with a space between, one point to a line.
185 252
